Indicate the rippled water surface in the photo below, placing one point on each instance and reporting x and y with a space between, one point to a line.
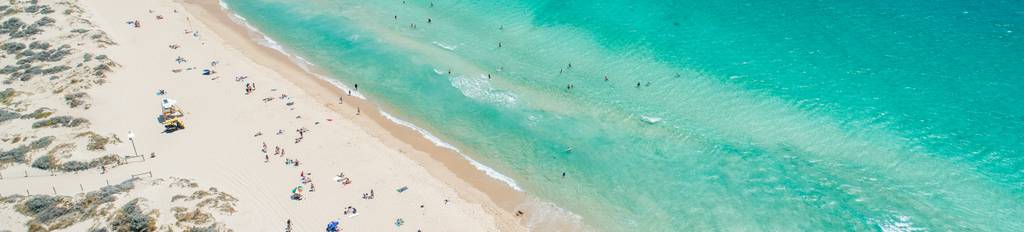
715 115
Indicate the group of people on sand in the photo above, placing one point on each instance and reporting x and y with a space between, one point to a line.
368 196
250 87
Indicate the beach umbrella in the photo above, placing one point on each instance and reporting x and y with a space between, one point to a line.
333 225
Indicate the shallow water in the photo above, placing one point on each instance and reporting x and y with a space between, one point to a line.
749 115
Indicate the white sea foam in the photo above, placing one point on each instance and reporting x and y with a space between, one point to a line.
481 89
266 41
445 46
649 119
545 214
343 87
437 141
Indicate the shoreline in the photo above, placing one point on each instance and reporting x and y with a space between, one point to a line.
449 165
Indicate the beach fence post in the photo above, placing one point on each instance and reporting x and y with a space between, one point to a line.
81 187
27 193
149 173
108 182
26 173
54 190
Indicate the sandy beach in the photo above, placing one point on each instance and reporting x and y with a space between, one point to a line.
241 141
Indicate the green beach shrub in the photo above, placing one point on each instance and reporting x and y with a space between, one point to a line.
38 113
31 9
12 47
8 69
8 115
39 45
11 25
30 30
44 162
7 95
16 155
41 143
44 21
75 99
100 69
45 10
39 203
48 213
65 121
132 217
74 166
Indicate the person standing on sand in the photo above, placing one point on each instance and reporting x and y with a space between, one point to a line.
288 225
264 150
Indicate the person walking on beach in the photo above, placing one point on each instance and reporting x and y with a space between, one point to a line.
264 150
288 225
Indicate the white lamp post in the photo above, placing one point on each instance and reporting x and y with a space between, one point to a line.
131 137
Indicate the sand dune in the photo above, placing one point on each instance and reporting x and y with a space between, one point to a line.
225 131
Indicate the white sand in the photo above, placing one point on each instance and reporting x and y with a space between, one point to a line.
218 148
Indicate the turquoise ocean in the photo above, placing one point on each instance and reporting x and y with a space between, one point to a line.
749 115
